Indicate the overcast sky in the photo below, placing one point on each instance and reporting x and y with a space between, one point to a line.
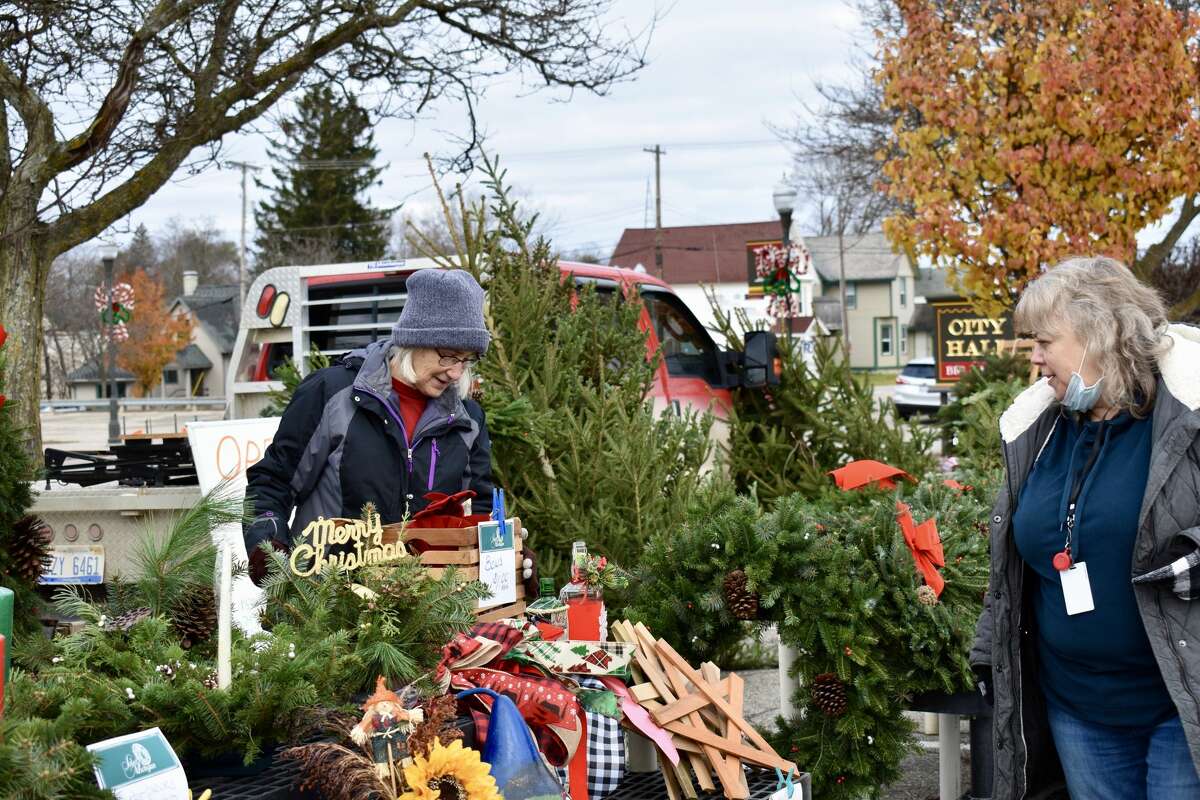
718 72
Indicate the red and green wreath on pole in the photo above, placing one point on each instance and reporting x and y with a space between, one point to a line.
780 269
115 313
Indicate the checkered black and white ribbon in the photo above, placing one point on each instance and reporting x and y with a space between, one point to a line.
605 751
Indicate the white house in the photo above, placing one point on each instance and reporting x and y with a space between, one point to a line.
200 369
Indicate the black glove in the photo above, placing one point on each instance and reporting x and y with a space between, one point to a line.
983 682
258 560
529 573
266 527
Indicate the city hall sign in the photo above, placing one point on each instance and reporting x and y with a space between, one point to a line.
964 337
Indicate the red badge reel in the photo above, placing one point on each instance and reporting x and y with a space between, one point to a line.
1062 560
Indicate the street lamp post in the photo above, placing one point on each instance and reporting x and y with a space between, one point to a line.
108 256
785 202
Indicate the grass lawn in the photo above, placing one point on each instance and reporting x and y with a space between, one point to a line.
882 377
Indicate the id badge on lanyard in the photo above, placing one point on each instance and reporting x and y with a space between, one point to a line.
1077 589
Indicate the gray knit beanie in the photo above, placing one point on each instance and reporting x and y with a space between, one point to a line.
444 310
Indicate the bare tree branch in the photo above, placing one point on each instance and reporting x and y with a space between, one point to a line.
1157 253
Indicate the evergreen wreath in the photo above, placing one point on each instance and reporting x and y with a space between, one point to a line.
835 575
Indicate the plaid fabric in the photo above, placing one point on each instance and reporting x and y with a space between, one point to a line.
500 631
566 657
605 751
1183 572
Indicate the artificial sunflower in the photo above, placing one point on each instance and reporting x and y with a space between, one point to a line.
450 772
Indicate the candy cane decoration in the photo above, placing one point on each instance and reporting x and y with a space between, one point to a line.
779 270
115 316
122 296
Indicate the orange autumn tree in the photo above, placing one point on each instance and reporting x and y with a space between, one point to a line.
155 335
1028 132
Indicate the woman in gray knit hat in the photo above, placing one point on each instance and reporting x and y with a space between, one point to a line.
387 424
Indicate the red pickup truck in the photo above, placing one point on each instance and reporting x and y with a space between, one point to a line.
340 307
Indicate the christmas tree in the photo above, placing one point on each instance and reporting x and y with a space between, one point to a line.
24 541
575 442
317 212
787 438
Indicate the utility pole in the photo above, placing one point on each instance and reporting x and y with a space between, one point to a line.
245 167
841 234
658 255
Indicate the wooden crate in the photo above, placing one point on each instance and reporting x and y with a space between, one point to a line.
459 547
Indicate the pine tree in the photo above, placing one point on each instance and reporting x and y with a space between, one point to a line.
575 442
324 166
140 254
821 415
16 471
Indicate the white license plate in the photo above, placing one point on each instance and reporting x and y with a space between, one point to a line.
75 564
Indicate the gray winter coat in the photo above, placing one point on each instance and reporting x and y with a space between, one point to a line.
1027 765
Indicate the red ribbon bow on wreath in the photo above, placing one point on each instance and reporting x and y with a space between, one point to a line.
925 545
865 472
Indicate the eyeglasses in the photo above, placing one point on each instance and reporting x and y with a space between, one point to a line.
453 361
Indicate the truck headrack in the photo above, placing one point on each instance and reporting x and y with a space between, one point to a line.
159 461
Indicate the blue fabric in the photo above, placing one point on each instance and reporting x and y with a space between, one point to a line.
1150 762
516 764
1098 665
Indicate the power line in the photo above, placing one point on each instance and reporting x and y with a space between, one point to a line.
586 151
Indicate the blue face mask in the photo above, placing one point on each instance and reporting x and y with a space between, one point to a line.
1079 397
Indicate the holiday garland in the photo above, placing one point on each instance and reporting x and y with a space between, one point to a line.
837 576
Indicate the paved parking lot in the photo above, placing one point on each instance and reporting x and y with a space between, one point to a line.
88 430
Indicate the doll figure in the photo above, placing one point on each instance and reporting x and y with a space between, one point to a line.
386 723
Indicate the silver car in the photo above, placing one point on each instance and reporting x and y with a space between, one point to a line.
915 390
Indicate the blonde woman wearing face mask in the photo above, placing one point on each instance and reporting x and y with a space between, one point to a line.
1089 643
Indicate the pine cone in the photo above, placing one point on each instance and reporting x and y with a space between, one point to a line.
742 603
127 620
194 617
829 694
28 550
926 596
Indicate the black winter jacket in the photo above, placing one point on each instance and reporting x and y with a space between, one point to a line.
341 443
1026 763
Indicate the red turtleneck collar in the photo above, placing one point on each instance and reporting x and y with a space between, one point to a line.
412 405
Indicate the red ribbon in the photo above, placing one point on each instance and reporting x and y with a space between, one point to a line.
925 545
446 511
858 474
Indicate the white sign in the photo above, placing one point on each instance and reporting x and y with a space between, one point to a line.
497 563
75 563
140 766
222 451
387 265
